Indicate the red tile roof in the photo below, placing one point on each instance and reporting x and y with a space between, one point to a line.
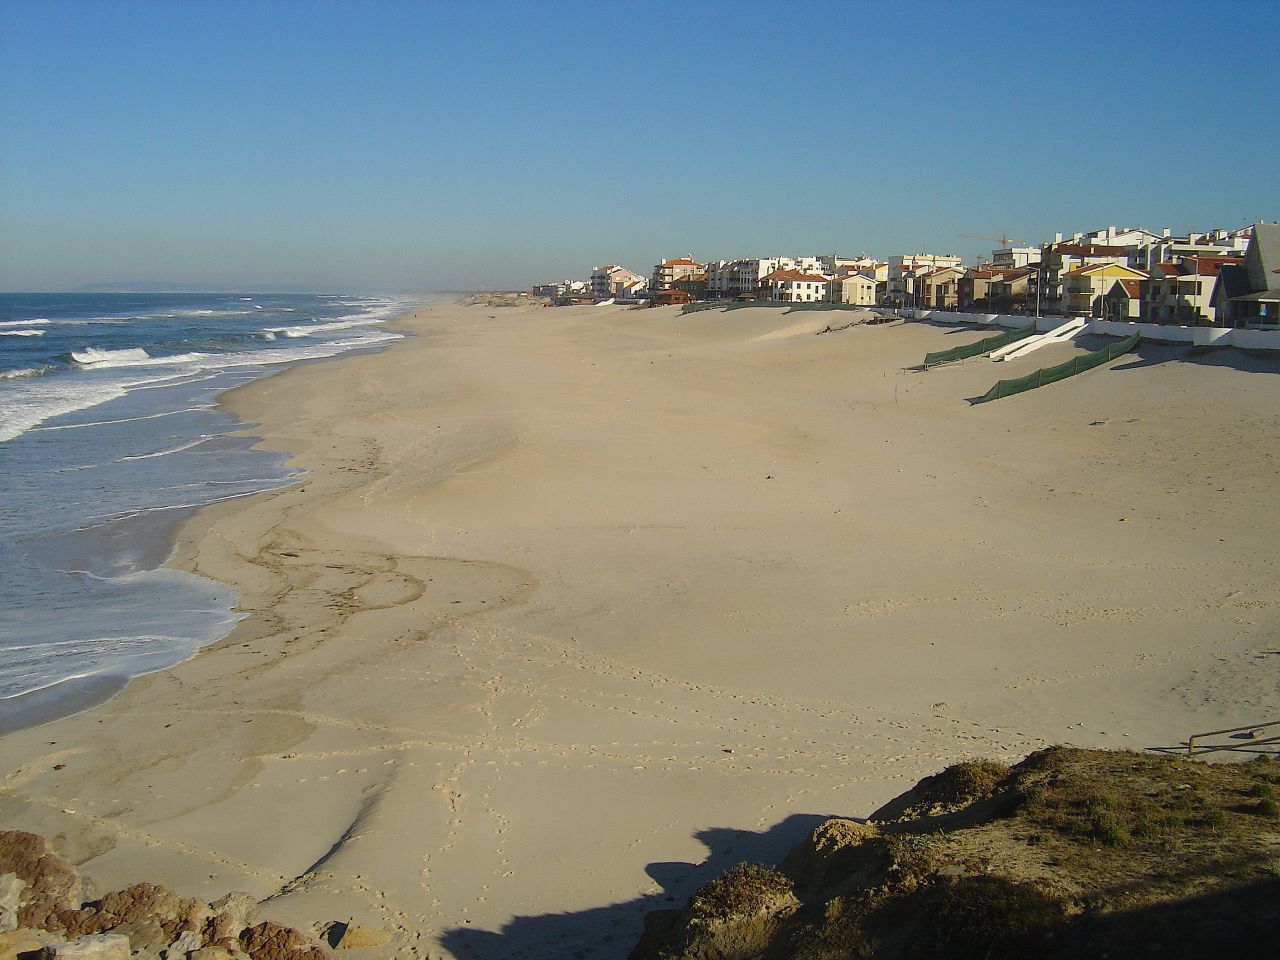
1208 266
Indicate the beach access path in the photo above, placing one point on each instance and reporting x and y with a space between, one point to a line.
575 607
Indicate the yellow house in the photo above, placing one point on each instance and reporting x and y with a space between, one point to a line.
1084 288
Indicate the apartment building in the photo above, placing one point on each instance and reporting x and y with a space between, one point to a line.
940 288
1181 292
1059 258
1012 258
667 272
612 280
901 286
1084 288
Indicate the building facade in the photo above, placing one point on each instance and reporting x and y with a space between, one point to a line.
612 280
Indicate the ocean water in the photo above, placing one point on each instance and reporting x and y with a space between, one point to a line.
108 439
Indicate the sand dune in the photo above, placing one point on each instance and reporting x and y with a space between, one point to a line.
574 600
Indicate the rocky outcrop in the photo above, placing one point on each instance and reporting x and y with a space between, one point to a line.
271 941
57 912
53 887
1071 853
11 887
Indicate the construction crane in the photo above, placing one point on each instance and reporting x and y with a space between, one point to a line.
1003 239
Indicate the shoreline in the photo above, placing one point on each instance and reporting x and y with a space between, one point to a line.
570 608
159 550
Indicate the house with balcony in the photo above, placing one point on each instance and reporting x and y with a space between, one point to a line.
902 283
694 284
667 272
794 286
1011 290
940 288
1248 293
1084 288
1181 292
974 288
1060 257
1123 301
855 289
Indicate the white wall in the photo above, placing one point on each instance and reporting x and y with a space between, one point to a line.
1200 336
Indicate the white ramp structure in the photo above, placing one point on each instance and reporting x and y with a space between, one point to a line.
1020 348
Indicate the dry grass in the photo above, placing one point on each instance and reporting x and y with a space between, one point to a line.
1069 853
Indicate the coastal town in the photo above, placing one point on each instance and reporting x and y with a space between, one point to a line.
1224 278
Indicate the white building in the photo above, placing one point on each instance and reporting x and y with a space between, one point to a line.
1013 258
561 288
794 286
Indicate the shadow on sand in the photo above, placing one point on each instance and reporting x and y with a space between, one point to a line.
609 932
1150 353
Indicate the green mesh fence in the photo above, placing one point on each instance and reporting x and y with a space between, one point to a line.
982 346
695 307
792 307
1046 375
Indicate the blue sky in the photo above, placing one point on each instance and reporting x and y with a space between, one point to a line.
396 146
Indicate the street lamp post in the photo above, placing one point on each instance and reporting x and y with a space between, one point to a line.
1039 283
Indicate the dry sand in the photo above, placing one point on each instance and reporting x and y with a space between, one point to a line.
577 607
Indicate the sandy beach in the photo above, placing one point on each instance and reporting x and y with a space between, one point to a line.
576 607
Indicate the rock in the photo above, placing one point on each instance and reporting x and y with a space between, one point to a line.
218 953
11 887
52 883
144 934
273 941
355 936
102 946
143 901
24 942
186 942
231 914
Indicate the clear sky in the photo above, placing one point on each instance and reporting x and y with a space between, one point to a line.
398 146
